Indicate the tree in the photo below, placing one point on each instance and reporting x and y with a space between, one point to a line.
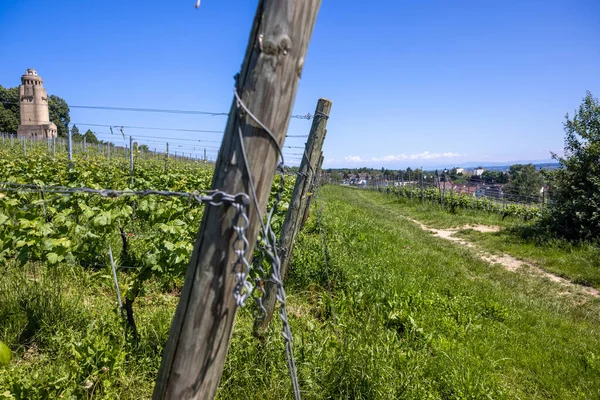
76 136
524 180
59 114
90 138
494 177
575 213
9 109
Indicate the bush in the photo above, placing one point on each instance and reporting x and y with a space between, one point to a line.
575 214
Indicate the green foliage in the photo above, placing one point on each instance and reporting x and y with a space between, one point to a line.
153 234
5 354
576 184
59 114
9 113
76 136
452 201
524 180
90 137
494 177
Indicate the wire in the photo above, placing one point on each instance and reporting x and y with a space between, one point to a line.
163 137
168 129
159 110
155 110
149 127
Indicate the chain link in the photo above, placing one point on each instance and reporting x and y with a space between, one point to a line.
241 267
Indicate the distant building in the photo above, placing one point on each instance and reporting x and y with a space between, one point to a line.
478 171
495 191
34 121
465 189
460 170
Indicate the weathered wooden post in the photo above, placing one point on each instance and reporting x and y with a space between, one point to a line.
444 177
195 353
422 192
306 211
70 148
411 186
167 158
131 158
295 212
439 185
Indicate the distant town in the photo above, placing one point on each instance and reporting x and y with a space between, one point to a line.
519 182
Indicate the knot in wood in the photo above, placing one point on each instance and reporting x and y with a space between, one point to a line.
285 43
300 66
275 46
269 47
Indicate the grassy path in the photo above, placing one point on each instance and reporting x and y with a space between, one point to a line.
579 264
400 313
507 261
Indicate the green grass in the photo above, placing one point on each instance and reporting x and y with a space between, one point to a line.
414 316
578 263
395 314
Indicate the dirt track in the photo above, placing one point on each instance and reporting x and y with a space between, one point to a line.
509 262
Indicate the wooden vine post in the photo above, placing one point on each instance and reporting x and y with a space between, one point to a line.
194 355
306 211
295 212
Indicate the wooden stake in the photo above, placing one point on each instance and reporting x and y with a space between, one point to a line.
295 212
195 353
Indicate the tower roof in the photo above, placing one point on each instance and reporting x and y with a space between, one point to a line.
30 75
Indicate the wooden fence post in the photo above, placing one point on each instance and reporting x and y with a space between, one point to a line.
439 186
70 148
306 211
194 355
131 159
295 212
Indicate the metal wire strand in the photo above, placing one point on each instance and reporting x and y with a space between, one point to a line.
214 198
270 247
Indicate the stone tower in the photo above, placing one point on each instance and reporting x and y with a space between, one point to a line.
34 119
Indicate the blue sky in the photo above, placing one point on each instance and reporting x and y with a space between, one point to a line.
412 82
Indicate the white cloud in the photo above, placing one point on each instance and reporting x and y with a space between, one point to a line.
353 159
419 156
329 160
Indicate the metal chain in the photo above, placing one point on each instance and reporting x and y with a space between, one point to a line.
241 267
